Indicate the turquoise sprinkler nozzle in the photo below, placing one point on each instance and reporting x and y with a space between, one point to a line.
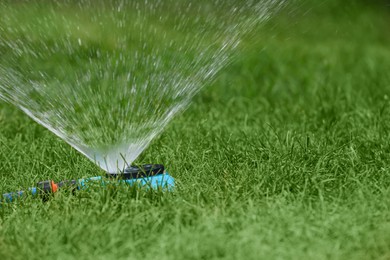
152 175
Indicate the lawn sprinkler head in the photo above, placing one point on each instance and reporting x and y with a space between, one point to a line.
153 175
135 172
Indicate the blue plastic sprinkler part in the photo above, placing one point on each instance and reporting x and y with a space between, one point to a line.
149 175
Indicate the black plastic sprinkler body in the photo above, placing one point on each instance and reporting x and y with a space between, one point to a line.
134 172
152 175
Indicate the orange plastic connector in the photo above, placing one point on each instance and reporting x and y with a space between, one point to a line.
54 187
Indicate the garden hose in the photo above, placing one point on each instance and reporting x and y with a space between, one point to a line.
152 175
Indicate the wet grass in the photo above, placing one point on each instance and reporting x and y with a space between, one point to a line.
284 156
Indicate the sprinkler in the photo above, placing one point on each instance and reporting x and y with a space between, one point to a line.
149 175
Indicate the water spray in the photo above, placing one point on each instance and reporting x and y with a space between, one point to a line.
66 80
150 175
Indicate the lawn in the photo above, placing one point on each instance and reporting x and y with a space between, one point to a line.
284 156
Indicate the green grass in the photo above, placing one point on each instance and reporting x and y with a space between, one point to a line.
284 156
